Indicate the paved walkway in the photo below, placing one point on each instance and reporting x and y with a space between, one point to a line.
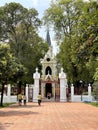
49 116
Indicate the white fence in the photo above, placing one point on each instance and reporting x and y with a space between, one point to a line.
85 98
9 99
81 98
74 98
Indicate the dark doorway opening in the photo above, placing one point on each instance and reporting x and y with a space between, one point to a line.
48 88
48 71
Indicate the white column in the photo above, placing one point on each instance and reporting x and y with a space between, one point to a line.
42 89
72 92
36 77
89 92
8 90
63 85
26 91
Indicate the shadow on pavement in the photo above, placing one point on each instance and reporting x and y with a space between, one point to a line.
16 113
1 127
23 106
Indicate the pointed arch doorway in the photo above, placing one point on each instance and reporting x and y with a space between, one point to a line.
48 89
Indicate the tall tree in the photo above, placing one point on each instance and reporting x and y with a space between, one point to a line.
9 66
21 32
75 24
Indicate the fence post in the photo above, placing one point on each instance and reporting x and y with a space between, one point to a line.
36 77
89 92
72 92
8 90
63 85
26 91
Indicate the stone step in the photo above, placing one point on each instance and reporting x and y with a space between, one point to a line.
48 100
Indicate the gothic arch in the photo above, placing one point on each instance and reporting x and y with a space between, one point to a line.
48 70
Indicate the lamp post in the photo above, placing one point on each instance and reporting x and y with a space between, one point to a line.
81 82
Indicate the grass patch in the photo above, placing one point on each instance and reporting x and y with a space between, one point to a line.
94 104
6 105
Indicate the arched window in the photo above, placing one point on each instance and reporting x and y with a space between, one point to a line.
48 71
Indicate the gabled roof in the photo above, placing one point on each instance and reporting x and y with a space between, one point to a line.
48 77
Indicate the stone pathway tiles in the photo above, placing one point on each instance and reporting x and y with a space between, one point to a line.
49 116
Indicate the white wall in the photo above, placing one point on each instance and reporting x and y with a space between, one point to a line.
77 98
81 98
9 99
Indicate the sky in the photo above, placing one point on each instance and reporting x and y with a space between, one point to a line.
40 6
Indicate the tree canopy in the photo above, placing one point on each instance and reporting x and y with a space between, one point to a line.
76 28
19 28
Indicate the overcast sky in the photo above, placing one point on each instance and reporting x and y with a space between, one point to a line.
40 6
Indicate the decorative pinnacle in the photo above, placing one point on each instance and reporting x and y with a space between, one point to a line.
36 69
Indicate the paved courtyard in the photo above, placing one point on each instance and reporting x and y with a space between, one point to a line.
49 116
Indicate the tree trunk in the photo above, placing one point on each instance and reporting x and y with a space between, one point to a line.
2 92
19 87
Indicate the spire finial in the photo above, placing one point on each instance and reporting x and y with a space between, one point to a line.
48 40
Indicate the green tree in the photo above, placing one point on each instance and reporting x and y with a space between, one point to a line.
96 75
21 30
28 51
88 50
9 66
75 24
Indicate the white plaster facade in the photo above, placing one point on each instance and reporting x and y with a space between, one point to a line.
63 86
49 74
36 77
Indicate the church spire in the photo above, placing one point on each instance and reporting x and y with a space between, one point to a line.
48 40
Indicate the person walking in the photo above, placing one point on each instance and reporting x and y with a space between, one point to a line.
19 99
39 99
24 99
49 95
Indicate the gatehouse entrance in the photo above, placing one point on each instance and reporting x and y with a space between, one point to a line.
48 89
